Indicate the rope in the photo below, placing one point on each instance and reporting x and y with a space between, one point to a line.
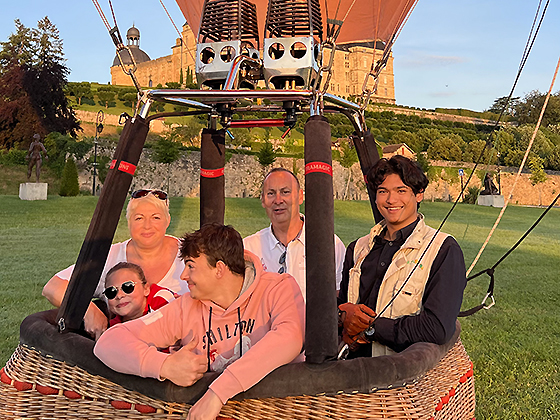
508 197
101 14
177 29
490 271
525 55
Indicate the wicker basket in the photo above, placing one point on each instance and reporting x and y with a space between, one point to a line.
36 386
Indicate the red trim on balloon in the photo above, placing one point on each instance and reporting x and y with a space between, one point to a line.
211 173
321 167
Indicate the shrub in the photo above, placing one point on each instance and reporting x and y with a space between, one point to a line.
471 196
13 157
69 185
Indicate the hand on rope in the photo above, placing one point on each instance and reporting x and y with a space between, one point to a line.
355 319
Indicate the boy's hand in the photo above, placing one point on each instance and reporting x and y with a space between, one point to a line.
184 367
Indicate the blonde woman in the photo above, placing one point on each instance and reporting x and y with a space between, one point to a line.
149 247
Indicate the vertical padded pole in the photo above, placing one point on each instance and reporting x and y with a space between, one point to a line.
212 179
368 155
321 316
99 236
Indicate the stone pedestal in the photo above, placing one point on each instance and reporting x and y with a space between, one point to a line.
491 200
33 191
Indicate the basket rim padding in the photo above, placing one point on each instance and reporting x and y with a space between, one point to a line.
363 375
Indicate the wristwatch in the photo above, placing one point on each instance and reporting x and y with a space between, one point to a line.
370 332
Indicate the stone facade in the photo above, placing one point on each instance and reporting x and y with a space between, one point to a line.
244 176
163 69
352 63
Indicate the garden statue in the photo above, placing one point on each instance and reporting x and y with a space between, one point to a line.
34 156
489 187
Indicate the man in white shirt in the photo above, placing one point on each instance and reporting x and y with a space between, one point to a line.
281 246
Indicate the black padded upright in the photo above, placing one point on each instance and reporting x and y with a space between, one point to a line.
99 237
321 335
368 155
212 179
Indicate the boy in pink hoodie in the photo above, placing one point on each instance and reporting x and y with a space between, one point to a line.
236 319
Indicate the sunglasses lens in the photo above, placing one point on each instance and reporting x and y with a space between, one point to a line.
140 193
110 292
162 195
127 287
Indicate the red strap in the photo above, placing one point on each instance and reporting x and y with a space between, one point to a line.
211 173
318 167
129 168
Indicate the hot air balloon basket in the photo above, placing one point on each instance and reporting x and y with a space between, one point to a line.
36 386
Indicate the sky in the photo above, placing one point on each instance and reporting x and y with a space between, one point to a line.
450 53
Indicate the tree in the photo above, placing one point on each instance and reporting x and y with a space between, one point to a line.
538 176
266 155
410 139
423 162
187 133
166 151
529 108
46 80
503 104
69 185
425 137
242 137
18 119
105 95
554 159
445 149
80 90
32 85
59 146
347 158
130 100
475 148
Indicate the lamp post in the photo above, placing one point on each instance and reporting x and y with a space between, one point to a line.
98 129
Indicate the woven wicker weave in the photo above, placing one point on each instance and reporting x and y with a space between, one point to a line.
445 392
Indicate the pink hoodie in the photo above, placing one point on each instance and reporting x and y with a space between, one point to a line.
270 311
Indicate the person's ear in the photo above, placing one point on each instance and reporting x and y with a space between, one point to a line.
221 268
300 197
168 221
146 289
420 196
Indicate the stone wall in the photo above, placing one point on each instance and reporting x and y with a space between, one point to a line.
244 176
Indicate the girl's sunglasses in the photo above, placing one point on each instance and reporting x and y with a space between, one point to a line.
127 287
162 195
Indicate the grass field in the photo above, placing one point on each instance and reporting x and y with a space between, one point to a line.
515 346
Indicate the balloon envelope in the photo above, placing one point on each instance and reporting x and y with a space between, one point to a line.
367 19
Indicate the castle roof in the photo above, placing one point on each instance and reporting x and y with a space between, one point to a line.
133 41
139 56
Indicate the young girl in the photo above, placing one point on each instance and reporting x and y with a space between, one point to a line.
129 295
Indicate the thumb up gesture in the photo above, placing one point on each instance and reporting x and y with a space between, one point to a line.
184 367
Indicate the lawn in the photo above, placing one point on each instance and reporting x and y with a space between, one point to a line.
515 346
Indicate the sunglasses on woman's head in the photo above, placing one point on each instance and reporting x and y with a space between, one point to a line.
162 195
112 291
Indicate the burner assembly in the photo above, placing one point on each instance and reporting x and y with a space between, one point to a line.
229 46
293 33
228 31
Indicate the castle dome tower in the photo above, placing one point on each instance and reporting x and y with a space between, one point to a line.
133 43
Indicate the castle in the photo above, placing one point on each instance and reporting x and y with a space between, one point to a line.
352 63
